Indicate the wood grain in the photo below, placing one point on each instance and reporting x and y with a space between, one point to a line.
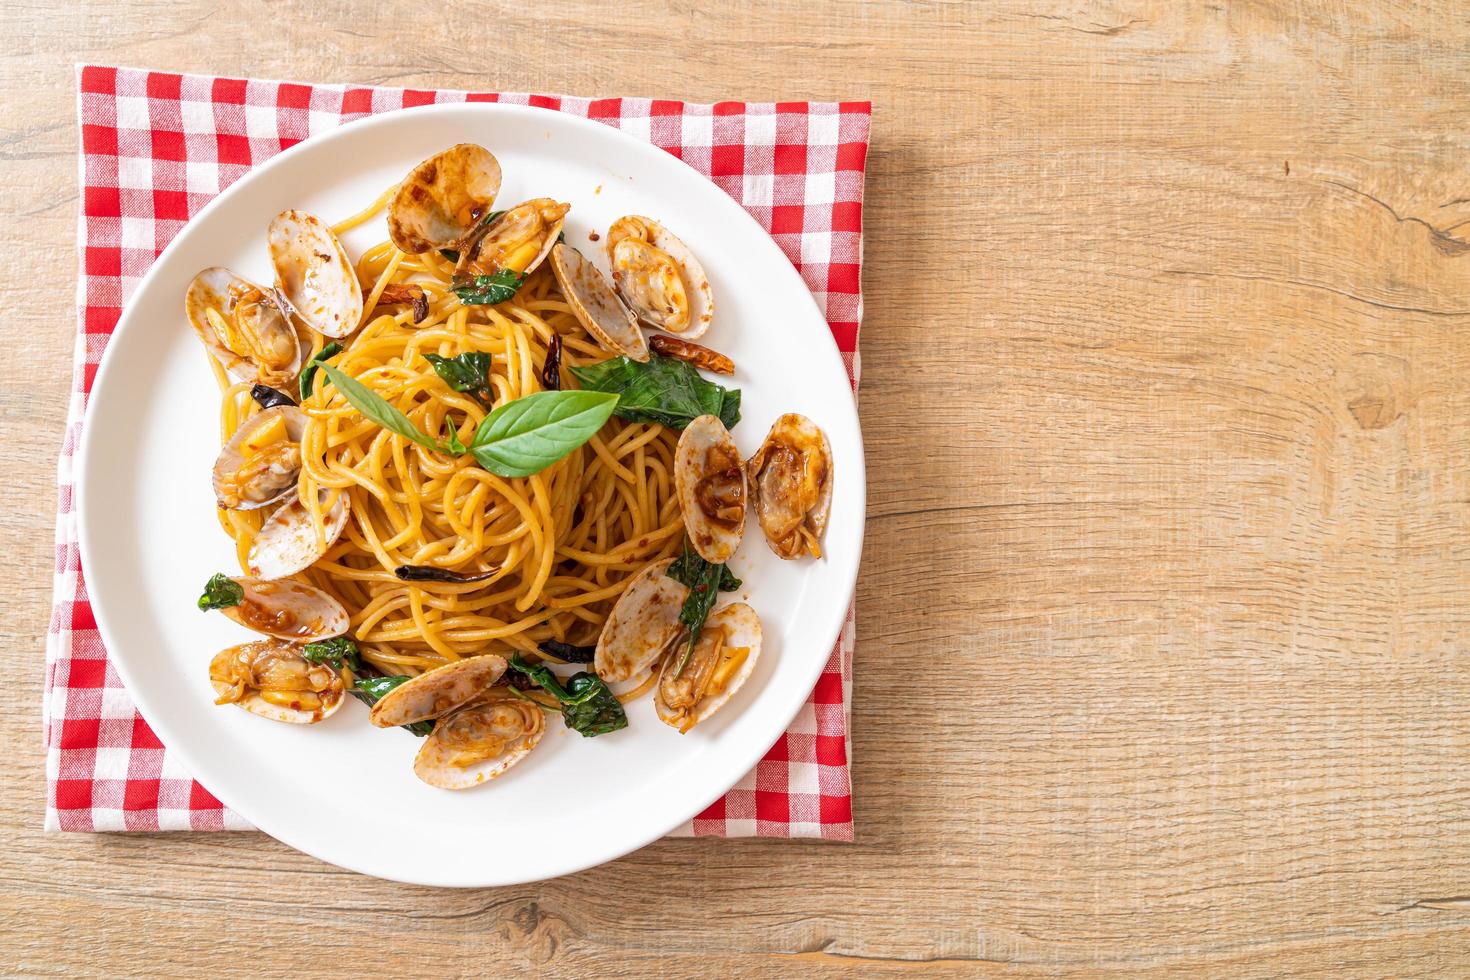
1164 607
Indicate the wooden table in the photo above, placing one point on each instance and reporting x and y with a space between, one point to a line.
1163 615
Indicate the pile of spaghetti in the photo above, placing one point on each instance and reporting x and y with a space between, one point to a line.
560 545
483 465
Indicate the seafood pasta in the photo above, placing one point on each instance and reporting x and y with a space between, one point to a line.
455 462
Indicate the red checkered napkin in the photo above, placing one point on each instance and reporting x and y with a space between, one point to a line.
156 147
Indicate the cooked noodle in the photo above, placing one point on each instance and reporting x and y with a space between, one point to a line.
562 543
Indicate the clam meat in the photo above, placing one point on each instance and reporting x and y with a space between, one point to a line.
244 327
791 486
690 690
262 461
659 278
710 479
272 679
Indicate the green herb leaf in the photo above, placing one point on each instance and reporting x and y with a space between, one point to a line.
375 409
588 705
497 287
451 437
378 687
337 652
468 373
449 254
663 390
527 435
221 592
706 581
729 412
308 373
371 690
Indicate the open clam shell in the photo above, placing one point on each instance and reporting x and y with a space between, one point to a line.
287 610
596 305
659 278
709 477
791 486
437 692
287 543
314 274
642 624
478 742
272 679
518 240
244 327
723 658
442 200
262 461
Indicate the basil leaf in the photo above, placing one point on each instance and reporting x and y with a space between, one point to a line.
690 569
729 412
706 580
527 435
308 373
451 437
497 287
375 409
595 709
378 687
588 705
337 652
221 592
371 690
468 373
664 390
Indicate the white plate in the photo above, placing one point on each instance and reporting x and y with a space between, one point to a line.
342 790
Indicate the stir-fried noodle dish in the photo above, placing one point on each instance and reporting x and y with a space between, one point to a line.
473 480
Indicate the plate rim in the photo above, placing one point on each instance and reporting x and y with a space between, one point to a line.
183 749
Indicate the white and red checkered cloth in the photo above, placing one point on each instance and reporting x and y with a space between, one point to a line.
156 147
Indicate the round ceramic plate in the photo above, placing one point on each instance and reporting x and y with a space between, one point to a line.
343 790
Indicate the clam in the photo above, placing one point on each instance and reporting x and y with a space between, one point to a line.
518 241
723 658
444 199
287 542
477 734
313 273
641 626
596 305
658 277
287 610
710 479
791 486
437 692
272 679
262 461
479 742
244 327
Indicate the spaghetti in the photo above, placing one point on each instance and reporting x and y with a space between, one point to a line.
437 517
559 545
